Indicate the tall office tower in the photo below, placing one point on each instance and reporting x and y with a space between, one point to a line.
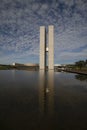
51 48
42 48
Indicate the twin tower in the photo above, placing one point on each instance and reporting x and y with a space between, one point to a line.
47 48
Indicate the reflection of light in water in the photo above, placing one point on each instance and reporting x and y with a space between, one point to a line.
46 92
13 75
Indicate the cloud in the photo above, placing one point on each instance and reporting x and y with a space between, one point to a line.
70 56
19 27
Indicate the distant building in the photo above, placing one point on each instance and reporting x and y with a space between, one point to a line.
31 64
13 64
60 66
57 65
27 64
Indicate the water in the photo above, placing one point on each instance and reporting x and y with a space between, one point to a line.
42 101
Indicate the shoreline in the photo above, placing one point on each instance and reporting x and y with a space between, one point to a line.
37 69
75 71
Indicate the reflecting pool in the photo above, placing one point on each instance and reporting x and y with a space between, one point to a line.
32 100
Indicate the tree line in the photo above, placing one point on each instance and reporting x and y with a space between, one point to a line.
80 64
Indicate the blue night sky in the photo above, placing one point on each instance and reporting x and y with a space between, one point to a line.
19 29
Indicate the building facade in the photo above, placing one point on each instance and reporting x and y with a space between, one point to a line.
44 48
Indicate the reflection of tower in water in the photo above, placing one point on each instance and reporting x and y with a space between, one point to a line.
46 92
41 91
50 103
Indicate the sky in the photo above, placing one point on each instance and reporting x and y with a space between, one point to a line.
20 22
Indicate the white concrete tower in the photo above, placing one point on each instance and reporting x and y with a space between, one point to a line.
51 47
42 47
